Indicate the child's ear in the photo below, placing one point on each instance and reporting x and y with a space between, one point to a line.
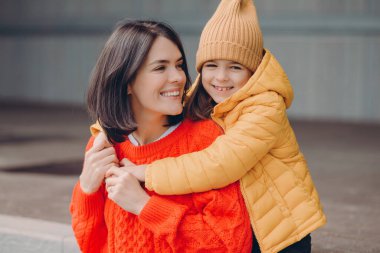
129 90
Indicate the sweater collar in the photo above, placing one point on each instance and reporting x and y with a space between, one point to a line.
148 150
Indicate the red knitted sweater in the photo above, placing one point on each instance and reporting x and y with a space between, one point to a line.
213 221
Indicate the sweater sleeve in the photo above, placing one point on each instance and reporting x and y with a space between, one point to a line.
227 159
210 220
87 214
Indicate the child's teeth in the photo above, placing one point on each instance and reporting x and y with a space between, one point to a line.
222 88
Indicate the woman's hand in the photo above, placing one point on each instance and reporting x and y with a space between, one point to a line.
125 190
100 158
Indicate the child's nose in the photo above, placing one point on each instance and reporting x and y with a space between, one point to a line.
221 74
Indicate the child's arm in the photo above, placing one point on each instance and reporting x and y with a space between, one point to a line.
229 157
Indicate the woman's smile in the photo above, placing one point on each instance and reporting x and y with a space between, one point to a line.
173 93
159 85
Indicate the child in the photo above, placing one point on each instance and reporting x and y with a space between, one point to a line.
259 147
136 92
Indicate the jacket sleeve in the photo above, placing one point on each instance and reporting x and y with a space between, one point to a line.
87 215
210 220
227 159
95 128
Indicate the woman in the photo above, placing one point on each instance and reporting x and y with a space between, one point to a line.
136 92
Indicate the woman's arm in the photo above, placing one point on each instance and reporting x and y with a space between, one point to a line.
87 204
214 220
87 215
229 157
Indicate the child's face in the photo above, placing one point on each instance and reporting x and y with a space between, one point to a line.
159 84
222 78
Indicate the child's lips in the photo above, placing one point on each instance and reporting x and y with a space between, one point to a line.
222 88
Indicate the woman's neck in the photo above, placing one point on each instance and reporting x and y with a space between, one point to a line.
149 129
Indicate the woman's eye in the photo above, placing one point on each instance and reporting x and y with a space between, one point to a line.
159 68
210 65
180 66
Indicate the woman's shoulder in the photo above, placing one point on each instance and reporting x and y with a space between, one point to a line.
202 125
203 130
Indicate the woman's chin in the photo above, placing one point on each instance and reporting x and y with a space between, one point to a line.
175 111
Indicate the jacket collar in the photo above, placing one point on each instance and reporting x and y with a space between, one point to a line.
269 76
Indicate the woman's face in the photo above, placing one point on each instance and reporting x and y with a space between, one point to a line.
159 84
222 78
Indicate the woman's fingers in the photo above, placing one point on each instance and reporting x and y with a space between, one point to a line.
111 181
101 142
95 159
108 160
104 152
127 192
114 172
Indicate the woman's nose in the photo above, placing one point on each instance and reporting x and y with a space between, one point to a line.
177 76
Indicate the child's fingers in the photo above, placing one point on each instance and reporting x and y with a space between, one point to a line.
126 162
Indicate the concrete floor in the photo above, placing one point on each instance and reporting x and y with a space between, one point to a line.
41 151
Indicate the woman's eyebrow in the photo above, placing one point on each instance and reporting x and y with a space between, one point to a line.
164 61
158 62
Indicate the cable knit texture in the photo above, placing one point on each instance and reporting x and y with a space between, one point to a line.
213 221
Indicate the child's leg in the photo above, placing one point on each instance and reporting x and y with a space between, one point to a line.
303 246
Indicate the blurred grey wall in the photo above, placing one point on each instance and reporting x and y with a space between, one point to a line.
329 48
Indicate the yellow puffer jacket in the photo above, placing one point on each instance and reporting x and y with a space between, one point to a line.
259 148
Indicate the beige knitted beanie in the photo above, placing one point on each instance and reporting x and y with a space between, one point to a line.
233 33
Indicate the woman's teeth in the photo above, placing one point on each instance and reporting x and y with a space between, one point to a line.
170 94
218 88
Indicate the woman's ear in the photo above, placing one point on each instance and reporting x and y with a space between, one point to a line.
129 90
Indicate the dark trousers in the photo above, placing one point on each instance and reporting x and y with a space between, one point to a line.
303 246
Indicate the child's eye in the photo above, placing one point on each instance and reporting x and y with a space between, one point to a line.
210 65
180 66
236 67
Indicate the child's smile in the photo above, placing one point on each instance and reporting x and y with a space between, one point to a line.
222 78
220 88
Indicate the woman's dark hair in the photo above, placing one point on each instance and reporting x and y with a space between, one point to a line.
117 66
199 105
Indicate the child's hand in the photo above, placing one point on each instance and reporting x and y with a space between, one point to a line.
125 190
137 171
100 158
